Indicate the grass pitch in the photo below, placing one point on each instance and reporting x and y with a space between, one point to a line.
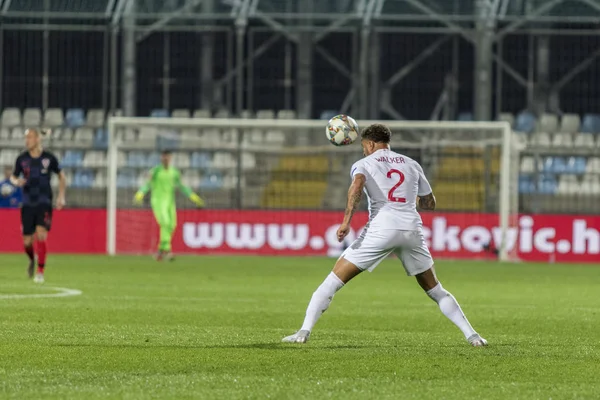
210 328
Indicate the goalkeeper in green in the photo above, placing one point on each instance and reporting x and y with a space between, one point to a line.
163 180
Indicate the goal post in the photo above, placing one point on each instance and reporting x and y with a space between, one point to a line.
473 168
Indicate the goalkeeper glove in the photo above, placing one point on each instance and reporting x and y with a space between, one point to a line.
197 200
139 197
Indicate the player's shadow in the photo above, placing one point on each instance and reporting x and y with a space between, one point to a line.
291 346
251 346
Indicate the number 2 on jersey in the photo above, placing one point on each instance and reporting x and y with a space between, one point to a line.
391 196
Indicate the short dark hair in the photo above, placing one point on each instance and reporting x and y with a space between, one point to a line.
377 133
166 152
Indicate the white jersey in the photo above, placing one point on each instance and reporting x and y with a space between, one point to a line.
393 182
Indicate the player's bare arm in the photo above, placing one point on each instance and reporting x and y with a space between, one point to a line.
354 195
427 202
62 188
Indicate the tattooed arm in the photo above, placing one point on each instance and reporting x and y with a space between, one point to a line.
427 202
354 195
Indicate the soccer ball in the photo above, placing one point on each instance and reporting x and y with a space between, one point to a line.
6 190
341 130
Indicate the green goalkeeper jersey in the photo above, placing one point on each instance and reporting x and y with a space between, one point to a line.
163 182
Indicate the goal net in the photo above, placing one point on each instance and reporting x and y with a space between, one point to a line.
276 186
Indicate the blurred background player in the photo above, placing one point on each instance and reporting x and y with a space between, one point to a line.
163 180
10 195
394 184
32 172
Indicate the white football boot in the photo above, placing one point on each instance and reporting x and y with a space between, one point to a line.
39 278
477 341
298 337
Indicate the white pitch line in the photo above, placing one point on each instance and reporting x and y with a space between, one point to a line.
62 292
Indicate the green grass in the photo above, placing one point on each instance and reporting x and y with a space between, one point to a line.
210 328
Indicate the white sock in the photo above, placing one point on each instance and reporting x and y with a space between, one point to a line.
320 300
450 308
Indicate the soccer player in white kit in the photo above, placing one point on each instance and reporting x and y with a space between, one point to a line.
394 185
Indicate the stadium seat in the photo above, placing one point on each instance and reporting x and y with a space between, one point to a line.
121 159
528 165
168 141
570 123
558 165
222 113
136 159
593 165
72 158
201 160
94 159
159 113
5 134
148 134
116 113
181 113
585 140
540 139
127 135
547 185
568 184
191 179
100 180
84 135
127 179
230 181
100 139
465 116
253 137
275 138
590 185
548 164
591 123
575 165
202 113
521 139
247 114
526 184
286 114
53 117
230 136
211 136
32 117
17 133
265 114
75 118
8 156
222 160
191 138
507 117
151 160
525 122
95 118
562 140
62 135
212 181
83 179
181 160
11 117
548 123
248 160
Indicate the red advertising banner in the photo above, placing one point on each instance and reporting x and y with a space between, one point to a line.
560 238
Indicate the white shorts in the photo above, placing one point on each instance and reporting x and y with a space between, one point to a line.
373 246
